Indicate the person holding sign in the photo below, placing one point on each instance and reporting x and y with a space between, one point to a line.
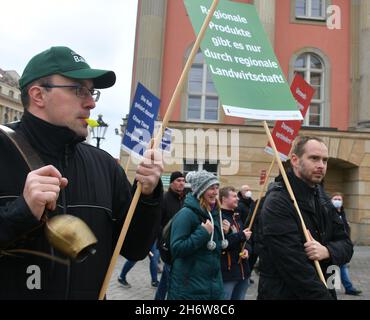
58 91
286 258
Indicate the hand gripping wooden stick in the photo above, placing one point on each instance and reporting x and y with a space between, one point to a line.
286 180
157 141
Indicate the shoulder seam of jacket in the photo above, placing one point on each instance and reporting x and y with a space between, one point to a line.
4 197
86 206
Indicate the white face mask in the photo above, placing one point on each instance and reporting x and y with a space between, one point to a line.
337 203
248 194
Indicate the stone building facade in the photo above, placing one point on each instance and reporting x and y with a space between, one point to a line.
10 101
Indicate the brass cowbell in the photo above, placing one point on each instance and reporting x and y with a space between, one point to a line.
71 236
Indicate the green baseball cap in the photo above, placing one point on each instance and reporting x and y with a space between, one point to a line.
66 62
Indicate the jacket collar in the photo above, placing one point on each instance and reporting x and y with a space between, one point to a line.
47 138
228 212
300 188
176 195
246 201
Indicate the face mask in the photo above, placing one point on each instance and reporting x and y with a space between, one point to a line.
337 203
248 194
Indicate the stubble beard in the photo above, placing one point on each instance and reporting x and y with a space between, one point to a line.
307 177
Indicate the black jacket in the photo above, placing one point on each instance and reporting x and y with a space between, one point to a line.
231 269
245 207
286 272
98 192
343 217
172 203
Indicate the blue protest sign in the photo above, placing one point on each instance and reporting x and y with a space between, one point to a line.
140 122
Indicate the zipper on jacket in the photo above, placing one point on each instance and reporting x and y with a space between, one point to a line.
64 204
66 156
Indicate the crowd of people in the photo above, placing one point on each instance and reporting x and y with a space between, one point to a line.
213 250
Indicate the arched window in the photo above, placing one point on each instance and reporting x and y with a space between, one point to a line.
202 98
11 93
311 67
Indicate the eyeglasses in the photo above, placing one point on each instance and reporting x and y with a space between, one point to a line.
81 91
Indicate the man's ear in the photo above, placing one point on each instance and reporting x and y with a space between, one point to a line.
294 160
37 96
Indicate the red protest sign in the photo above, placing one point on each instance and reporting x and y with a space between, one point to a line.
262 177
285 132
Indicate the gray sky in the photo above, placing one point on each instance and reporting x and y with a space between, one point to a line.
102 32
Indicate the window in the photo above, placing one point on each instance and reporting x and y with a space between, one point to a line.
202 98
311 68
310 9
11 93
198 165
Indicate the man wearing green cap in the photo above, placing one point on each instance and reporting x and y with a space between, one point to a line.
58 91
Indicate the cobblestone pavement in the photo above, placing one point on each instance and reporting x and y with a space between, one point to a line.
139 278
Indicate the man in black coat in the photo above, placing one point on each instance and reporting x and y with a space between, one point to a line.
286 259
58 91
245 204
173 200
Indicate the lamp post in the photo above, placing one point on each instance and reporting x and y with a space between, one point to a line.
99 131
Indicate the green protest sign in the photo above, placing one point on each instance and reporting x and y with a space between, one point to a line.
242 63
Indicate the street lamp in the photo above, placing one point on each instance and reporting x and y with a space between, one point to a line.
99 131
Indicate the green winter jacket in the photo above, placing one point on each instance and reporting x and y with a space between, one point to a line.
196 271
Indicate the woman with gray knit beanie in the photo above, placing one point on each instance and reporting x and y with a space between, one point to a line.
197 240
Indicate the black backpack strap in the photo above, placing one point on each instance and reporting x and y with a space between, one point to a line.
28 154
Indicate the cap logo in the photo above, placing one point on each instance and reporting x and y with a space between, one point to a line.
77 57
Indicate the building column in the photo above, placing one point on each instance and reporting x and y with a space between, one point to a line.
354 66
364 64
149 45
266 12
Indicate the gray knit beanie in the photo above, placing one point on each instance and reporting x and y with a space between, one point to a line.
200 181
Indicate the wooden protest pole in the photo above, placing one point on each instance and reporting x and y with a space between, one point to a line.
286 180
128 163
261 193
257 205
157 141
